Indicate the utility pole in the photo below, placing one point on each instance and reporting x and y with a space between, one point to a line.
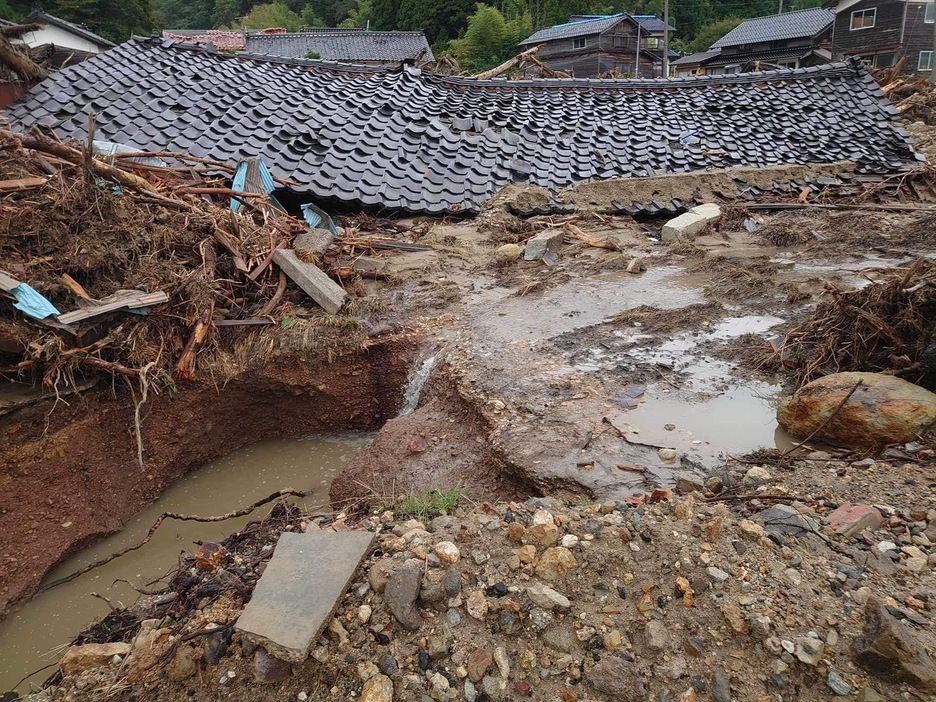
932 55
780 7
666 39
637 57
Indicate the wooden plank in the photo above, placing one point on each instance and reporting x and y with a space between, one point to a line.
241 322
21 184
7 281
122 300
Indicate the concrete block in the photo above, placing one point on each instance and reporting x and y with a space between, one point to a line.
689 224
370 263
327 293
299 590
314 240
549 240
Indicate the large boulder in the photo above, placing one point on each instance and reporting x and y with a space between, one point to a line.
883 410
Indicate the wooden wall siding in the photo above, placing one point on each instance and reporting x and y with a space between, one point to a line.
565 46
885 33
918 36
595 64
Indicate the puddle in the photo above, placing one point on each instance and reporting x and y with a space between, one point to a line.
579 304
713 410
28 636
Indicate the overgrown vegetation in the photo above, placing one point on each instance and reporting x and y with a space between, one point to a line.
426 505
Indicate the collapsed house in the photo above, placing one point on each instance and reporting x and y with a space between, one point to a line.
402 138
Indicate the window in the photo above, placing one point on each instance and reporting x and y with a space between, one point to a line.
786 64
925 62
929 15
715 71
883 60
579 43
863 19
653 42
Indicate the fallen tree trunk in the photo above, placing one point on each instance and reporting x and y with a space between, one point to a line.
507 65
20 62
185 367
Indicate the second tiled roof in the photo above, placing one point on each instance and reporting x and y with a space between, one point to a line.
789 25
349 46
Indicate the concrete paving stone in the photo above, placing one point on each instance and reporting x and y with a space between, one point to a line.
299 590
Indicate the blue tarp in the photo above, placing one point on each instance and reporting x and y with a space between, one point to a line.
31 302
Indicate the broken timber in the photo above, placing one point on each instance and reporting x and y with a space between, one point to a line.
129 299
328 294
300 589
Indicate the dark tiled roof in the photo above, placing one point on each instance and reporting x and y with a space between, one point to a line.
651 24
575 29
351 46
402 138
40 17
700 57
789 25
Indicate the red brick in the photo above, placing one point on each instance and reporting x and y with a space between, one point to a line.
850 519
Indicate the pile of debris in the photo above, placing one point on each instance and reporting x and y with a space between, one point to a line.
886 326
135 264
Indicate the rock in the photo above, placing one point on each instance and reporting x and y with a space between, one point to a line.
759 626
477 605
388 665
378 689
148 650
452 581
721 686
471 694
560 638
555 563
438 645
656 635
613 640
668 455
447 552
735 619
548 240
479 662
689 224
493 688
526 554
570 541
184 664
379 574
751 529
516 532
543 528
716 575
850 519
544 596
756 475
502 662
508 253
313 240
837 684
441 523
884 410
401 593
78 659
364 613
269 669
809 650
867 694
783 519
616 678
887 649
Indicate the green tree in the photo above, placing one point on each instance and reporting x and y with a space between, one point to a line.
226 11
419 15
112 19
274 14
483 45
710 33
362 15
310 19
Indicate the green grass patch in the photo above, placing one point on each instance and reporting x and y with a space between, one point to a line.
428 504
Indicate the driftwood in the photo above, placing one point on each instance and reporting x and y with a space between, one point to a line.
598 243
178 517
508 64
20 62
185 367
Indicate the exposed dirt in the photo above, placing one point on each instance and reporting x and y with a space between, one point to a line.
74 463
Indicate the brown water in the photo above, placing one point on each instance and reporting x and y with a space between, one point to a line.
33 637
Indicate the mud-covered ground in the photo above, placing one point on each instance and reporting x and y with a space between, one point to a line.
595 384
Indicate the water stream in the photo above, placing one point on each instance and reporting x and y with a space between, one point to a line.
31 637
418 377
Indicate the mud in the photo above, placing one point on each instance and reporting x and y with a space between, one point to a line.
74 463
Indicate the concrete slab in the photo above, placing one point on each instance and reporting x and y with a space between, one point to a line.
327 293
689 224
297 593
314 240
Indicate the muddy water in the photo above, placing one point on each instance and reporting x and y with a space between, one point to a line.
30 638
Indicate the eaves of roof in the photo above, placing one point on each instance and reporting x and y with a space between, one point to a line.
570 30
789 25
40 17
407 139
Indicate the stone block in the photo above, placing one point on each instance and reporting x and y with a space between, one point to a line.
78 659
327 293
549 240
316 241
300 589
689 224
